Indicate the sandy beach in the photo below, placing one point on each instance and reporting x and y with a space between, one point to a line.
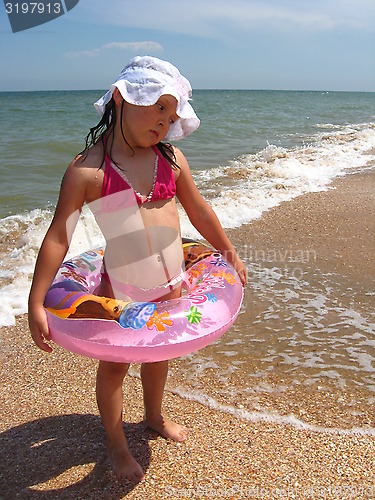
52 441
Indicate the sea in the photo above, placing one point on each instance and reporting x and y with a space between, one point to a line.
312 346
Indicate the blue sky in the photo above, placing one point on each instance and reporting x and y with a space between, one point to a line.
246 44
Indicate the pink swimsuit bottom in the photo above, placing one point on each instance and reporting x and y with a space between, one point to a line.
138 294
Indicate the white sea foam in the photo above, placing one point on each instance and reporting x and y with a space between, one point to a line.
23 236
268 417
275 174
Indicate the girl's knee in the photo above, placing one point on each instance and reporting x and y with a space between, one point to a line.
113 370
154 368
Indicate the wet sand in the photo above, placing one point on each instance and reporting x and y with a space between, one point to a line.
336 225
52 441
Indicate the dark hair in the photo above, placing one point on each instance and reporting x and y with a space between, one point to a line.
106 125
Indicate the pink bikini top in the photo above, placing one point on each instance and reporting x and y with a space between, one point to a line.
163 187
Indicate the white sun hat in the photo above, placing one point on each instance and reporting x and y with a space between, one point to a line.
143 80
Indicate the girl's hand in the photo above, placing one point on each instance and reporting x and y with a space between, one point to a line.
241 270
39 327
233 259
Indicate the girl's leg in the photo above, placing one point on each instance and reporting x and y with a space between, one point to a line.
154 377
109 381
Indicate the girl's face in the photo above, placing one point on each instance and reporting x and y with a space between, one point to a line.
145 126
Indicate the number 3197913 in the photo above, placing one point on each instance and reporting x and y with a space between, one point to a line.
33 8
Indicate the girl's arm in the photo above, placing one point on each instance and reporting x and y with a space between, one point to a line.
54 248
203 217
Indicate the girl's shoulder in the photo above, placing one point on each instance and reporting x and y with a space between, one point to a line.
181 162
178 154
85 173
91 158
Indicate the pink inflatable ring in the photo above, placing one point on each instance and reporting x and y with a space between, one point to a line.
139 332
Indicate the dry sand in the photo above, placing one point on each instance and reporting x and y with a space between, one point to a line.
52 441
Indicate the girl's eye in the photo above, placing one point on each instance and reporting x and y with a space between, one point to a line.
162 108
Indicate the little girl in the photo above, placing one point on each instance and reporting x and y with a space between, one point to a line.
125 155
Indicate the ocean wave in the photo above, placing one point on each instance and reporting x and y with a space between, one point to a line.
253 183
268 417
22 236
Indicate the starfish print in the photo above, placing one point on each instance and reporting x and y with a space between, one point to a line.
160 321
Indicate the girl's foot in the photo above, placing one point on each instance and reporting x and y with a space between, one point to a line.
167 428
124 465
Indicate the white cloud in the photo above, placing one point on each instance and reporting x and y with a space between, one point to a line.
215 18
136 47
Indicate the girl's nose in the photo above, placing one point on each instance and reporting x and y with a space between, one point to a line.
164 125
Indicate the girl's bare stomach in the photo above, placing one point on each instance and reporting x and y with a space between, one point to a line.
143 252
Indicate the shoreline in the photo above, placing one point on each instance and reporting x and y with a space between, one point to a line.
336 225
53 443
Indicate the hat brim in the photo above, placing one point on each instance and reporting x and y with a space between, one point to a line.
149 93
